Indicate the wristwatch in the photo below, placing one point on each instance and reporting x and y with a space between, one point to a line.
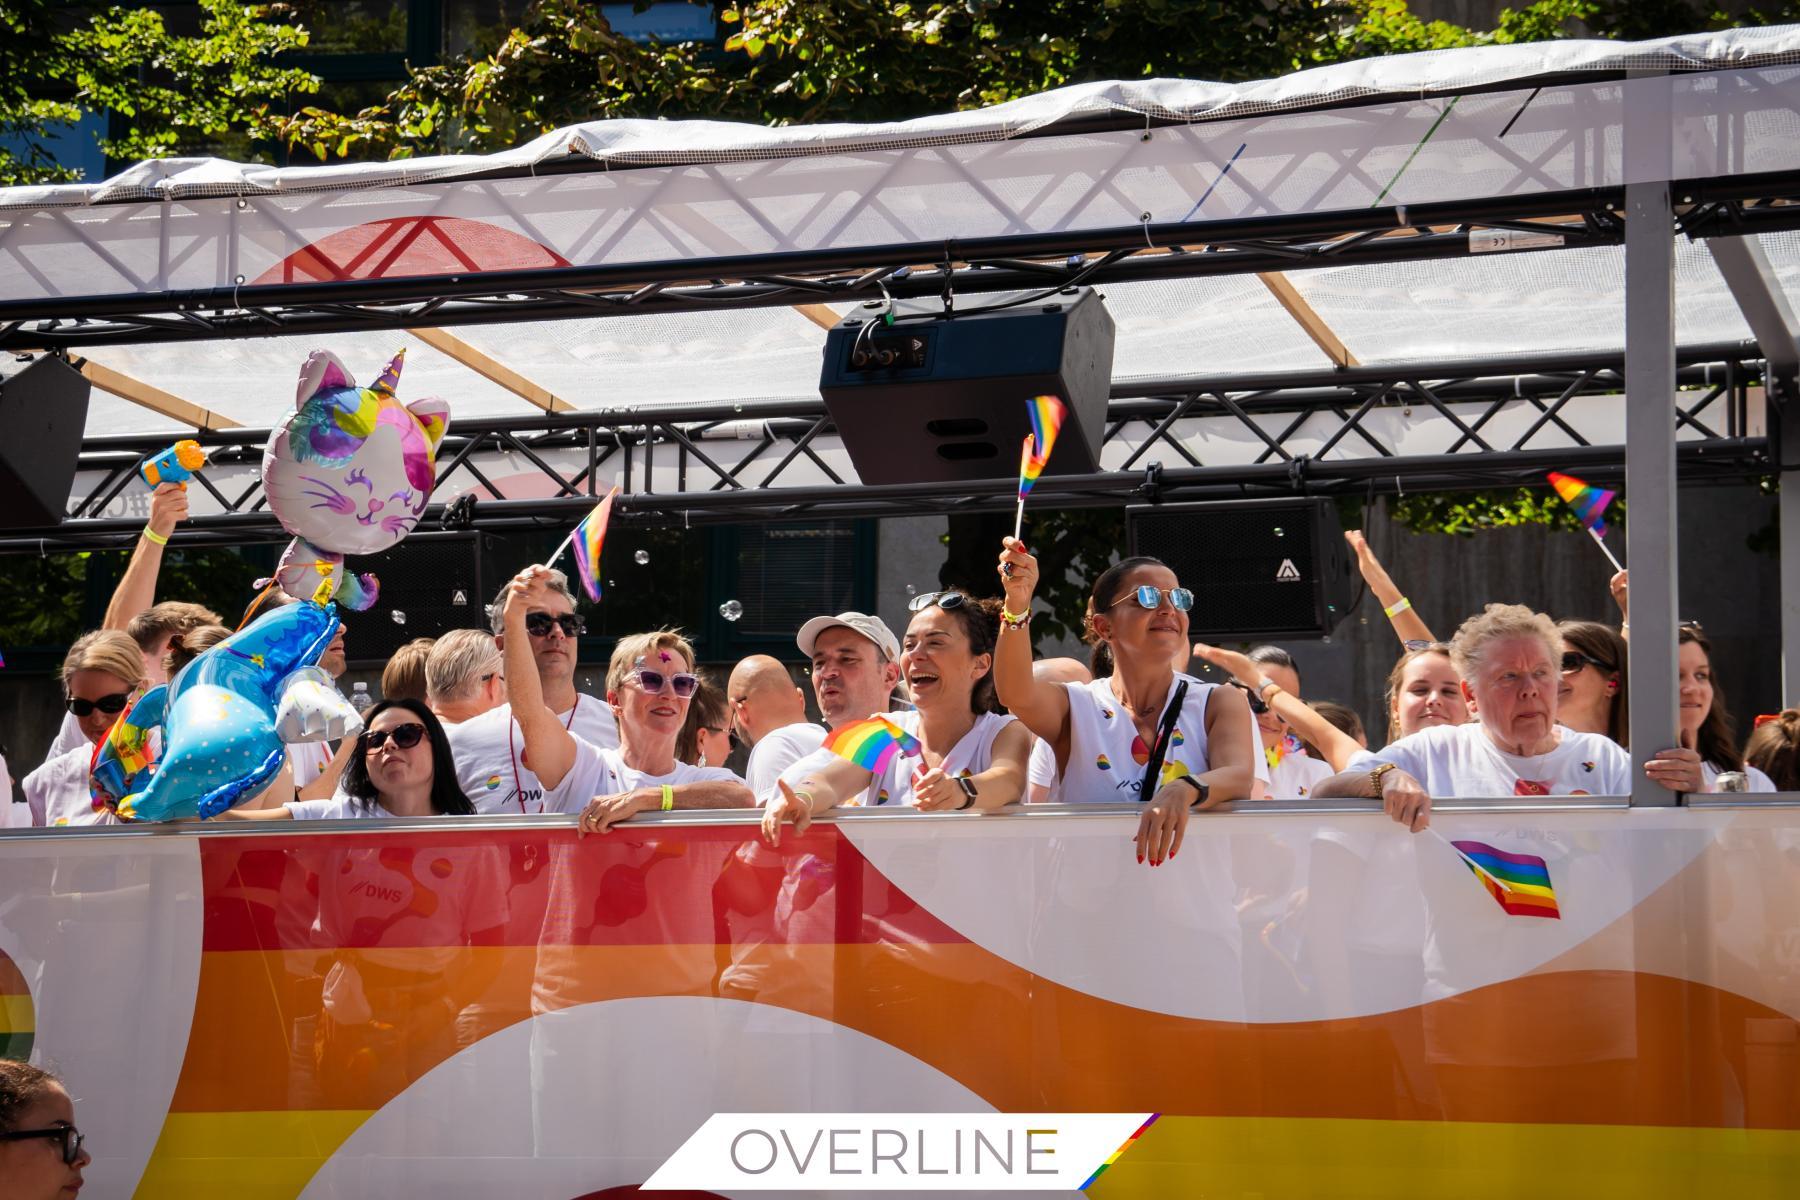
1199 785
1377 773
968 787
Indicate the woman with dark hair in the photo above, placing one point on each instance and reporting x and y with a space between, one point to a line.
40 1149
705 738
973 756
1141 730
1592 697
1707 731
401 767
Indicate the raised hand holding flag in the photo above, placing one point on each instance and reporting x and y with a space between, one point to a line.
1046 414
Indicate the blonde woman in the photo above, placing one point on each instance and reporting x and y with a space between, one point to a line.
101 675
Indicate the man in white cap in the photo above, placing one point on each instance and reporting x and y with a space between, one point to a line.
855 665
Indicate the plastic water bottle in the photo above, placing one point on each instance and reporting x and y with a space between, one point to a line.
360 699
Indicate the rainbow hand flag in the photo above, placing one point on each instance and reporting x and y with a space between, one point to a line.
1046 414
872 744
1588 501
589 535
1526 879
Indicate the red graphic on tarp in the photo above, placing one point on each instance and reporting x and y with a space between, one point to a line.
399 246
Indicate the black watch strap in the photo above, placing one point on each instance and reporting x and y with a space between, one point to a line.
968 787
1199 786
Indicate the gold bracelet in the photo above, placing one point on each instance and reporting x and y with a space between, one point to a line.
153 536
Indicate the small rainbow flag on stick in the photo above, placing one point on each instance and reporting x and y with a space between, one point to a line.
1589 503
1046 414
1519 883
872 744
587 539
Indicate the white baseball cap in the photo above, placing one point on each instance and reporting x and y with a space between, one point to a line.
873 628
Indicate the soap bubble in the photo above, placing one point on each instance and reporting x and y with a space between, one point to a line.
398 617
1280 532
731 610
911 590
1326 639
641 557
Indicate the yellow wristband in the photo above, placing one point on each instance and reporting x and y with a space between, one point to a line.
1399 608
153 536
668 794
1013 620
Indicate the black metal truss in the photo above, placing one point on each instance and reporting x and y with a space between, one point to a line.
718 483
1045 262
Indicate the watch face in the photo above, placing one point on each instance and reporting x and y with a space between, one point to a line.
968 785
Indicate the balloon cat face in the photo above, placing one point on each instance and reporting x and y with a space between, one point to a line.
352 470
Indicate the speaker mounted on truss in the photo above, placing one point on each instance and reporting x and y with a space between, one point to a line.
940 397
43 414
1258 569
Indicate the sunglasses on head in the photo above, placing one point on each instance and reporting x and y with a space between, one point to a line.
68 1135
538 624
405 736
682 683
947 599
1151 597
107 704
1574 660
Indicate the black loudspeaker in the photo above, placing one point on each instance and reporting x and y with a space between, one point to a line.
938 398
1258 568
43 413
432 580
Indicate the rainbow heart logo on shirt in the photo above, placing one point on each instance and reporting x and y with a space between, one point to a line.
1103 763
1107 713
1140 753
1175 738
493 781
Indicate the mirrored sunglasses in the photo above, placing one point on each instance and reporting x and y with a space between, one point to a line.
1150 596
109 705
405 736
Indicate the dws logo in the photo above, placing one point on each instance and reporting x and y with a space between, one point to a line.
1287 572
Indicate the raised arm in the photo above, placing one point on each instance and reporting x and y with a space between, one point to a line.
137 588
1337 746
1041 705
1620 586
549 748
1409 626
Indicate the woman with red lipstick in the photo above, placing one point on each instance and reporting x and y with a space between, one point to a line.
649 684
1141 730
973 756
41 1156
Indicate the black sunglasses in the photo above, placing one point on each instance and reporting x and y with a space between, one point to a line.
106 704
405 736
1574 660
947 599
538 624
70 1137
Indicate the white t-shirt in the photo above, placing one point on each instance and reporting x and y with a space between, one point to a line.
68 737
58 794
1759 782
337 807
1104 745
598 772
490 753
1461 760
778 750
12 816
1295 776
308 760
971 755
1040 772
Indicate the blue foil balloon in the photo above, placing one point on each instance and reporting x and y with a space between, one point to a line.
208 740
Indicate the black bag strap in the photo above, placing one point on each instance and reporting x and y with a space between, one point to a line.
1153 768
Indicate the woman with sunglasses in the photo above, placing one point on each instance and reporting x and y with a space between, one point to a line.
1592 697
705 739
101 675
41 1156
972 755
1141 730
1709 745
649 685
401 767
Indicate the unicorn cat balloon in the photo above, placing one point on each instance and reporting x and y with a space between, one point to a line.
349 473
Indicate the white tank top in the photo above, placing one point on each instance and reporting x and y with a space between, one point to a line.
1106 754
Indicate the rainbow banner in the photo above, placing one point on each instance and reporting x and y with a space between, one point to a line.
1519 883
589 536
872 744
1588 501
1117 1154
1046 414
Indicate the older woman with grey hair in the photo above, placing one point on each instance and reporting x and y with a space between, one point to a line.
1509 658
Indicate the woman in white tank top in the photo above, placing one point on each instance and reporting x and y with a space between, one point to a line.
972 756
1139 711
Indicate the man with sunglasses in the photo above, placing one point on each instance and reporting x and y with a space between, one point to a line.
489 749
769 713
855 665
